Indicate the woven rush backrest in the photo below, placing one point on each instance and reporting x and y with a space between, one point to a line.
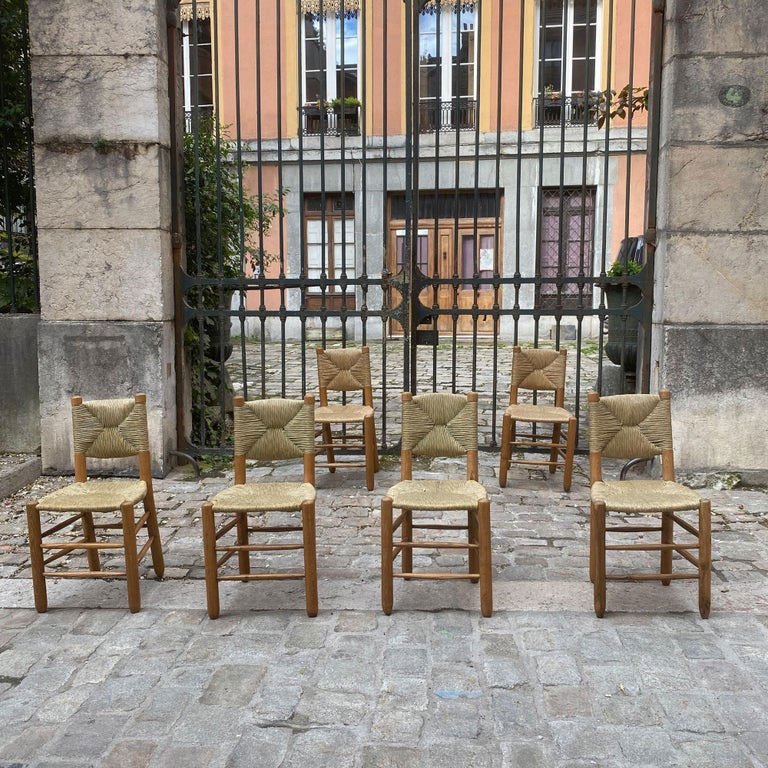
630 426
110 429
538 369
344 370
274 429
439 424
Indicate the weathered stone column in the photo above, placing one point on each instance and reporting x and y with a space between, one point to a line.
101 108
712 287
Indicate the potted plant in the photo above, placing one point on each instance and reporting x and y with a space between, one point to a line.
315 117
622 287
347 114
551 105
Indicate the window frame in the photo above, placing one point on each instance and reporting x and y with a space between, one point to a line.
566 88
332 297
328 27
186 66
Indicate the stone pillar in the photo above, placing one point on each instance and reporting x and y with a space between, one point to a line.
102 162
711 321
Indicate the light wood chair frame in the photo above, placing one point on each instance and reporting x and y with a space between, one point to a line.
478 544
216 554
561 444
342 439
669 519
128 524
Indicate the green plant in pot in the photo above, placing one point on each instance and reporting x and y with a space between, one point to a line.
622 293
347 113
222 227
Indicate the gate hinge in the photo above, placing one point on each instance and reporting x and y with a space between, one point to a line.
650 236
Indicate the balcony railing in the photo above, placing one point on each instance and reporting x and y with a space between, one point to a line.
453 115
330 121
555 109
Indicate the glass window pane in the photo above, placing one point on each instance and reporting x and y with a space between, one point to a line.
580 43
203 31
427 48
553 43
428 23
578 81
314 231
552 75
311 25
205 89
429 82
467 256
553 12
314 256
464 81
580 11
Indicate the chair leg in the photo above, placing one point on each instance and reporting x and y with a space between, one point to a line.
554 452
506 448
310 556
36 557
153 529
209 559
473 555
328 440
484 556
598 530
591 545
570 449
243 557
377 465
387 591
667 537
89 534
369 438
406 535
131 557
705 557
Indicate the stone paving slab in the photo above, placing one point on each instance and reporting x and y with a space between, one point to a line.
540 683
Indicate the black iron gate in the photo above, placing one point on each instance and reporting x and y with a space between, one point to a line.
437 179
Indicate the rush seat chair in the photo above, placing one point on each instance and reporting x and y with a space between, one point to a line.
347 370
101 429
266 430
437 424
538 370
640 426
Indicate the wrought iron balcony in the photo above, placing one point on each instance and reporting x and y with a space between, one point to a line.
317 119
556 109
453 115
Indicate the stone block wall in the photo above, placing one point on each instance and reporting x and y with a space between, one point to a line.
711 318
102 156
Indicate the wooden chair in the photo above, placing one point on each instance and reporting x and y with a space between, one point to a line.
266 430
437 424
538 370
347 370
640 426
102 429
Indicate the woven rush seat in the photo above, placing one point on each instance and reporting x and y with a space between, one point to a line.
94 496
645 496
264 497
434 495
342 413
544 413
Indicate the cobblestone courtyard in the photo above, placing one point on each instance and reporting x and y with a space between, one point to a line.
541 683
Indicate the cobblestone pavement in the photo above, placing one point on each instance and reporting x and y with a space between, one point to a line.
541 683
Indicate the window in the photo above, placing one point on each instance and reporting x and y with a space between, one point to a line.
566 251
330 56
568 61
330 247
447 71
197 68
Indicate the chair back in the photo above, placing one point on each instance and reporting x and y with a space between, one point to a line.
439 424
274 429
110 429
344 370
629 427
538 369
